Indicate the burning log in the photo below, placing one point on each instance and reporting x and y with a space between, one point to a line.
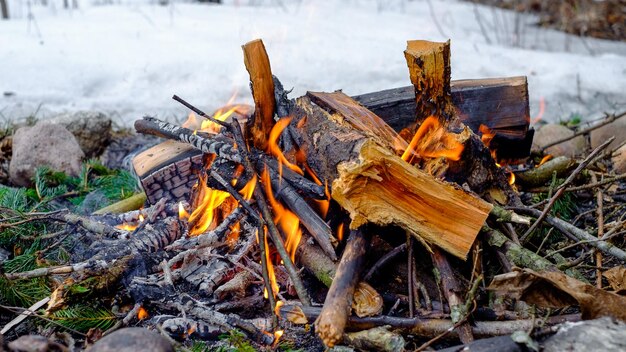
332 320
429 68
501 104
352 149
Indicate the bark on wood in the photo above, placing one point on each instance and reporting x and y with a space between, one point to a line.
453 292
370 181
425 327
223 147
499 103
262 86
331 323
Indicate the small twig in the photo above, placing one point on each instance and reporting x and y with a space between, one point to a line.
600 217
606 181
609 119
199 112
562 188
567 228
34 314
384 260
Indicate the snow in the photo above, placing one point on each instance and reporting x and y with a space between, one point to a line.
130 57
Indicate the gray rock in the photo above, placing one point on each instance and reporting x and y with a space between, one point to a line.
619 160
552 132
615 129
44 144
604 334
131 340
91 129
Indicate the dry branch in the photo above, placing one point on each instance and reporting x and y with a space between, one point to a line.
332 320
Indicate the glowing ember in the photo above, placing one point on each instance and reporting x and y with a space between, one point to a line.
210 199
432 140
288 222
142 313
272 146
511 177
233 235
126 227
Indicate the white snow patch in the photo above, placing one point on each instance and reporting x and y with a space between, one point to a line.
129 58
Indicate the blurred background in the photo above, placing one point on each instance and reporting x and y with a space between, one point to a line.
128 57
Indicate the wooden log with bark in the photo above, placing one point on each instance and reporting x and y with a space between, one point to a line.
337 306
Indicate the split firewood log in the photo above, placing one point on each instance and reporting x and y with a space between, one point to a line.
355 152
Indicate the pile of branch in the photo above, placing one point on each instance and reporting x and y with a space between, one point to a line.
323 193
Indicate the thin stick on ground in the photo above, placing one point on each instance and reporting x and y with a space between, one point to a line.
600 217
409 266
567 228
562 188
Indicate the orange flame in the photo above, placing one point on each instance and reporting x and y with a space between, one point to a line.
192 121
288 222
340 231
142 313
486 135
439 142
542 109
511 177
182 213
544 159
248 190
210 199
270 270
220 115
233 235
272 146
277 335
126 227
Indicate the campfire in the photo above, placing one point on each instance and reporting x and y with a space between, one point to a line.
309 183
284 219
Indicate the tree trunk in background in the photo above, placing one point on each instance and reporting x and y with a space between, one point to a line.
4 9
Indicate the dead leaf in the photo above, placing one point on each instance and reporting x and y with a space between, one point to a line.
557 290
617 278
367 302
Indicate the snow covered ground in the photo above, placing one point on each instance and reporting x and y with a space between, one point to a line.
129 58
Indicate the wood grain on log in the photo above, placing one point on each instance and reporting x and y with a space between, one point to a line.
262 84
375 185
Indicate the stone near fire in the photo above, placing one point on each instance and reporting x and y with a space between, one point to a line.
552 132
131 340
92 130
619 160
615 129
603 334
44 144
